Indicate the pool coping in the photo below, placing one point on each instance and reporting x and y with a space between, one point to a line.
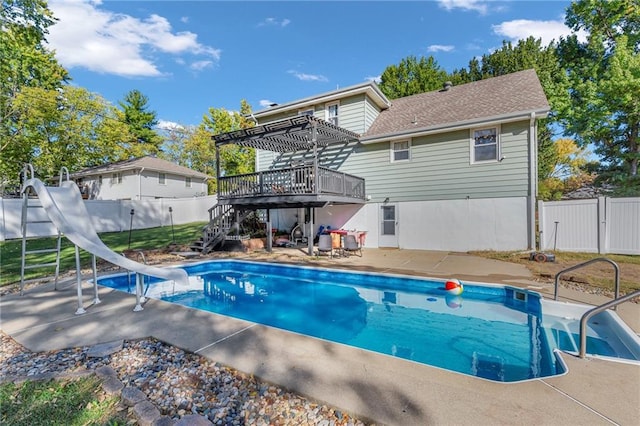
380 388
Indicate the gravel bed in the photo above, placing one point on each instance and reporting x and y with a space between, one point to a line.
180 383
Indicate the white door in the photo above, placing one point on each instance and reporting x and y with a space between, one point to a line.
388 225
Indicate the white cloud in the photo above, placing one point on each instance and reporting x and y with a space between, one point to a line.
376 79
200 65
274 22
265 103
479 6
440 48
89 37
184 19
308 77
523 28
169 125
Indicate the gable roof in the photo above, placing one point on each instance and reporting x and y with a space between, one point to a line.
370 88
147 163
508 97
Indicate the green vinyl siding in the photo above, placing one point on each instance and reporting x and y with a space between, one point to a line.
371 112
440 168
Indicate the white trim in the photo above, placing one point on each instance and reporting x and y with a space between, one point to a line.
162 178
327 117
392 151
472 145
188 182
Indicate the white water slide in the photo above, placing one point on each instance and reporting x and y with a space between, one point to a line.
66 210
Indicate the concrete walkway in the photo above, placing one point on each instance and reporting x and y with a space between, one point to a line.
384 389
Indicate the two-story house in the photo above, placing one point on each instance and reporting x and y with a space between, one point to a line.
140 178
452 169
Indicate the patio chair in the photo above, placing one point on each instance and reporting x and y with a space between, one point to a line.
351 245
324 244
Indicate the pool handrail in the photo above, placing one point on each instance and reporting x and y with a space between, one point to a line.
588 262
585 317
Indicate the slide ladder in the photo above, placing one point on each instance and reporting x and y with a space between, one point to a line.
31 215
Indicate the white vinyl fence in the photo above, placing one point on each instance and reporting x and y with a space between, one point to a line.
110 215
600 225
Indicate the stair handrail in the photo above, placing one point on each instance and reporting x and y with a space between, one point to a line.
585 317
588 262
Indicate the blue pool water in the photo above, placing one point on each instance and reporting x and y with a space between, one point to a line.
493 332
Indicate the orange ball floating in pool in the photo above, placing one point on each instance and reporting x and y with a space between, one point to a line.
453 286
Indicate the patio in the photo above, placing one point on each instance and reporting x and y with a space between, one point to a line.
383 389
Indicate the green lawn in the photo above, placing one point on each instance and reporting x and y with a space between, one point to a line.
141 239
58 402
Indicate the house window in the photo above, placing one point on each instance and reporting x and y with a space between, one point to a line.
484 145
400 151
332 113
99 179
116 178
187 182
162 178
309 111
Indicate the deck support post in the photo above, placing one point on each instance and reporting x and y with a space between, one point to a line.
312 212
269 234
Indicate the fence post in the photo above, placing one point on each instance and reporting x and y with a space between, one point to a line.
541 245
603 239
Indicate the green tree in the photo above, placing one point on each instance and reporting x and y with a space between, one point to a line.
412 76
604 74
145 140
25 63
71 127
234 159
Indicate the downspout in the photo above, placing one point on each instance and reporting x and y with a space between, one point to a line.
533 179
140 183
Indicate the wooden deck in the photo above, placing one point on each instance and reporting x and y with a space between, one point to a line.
291 187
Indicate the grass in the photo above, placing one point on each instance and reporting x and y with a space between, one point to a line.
141 239
58 402
599 275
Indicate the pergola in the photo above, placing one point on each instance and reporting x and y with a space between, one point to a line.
306 185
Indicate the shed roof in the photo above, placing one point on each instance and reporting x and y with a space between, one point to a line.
498 98
148 163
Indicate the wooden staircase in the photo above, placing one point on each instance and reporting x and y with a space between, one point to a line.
224 219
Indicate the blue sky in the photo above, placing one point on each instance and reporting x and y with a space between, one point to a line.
187 56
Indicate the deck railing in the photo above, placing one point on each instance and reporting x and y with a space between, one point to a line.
291 181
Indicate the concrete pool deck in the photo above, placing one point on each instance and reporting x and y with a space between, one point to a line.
380 388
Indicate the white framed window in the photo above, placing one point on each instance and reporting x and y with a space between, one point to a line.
400 151
485 145
116 178
187 182
308 111
162 178
99 179
331 113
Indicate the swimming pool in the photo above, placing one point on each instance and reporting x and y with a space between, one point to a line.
490 331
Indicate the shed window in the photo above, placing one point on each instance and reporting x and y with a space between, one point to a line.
400 151
187 182
332 113
485 145
162 178
116 178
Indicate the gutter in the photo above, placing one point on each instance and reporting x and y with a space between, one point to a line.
458 125
533 179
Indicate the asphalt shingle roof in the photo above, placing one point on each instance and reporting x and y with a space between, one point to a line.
149 163
507 95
